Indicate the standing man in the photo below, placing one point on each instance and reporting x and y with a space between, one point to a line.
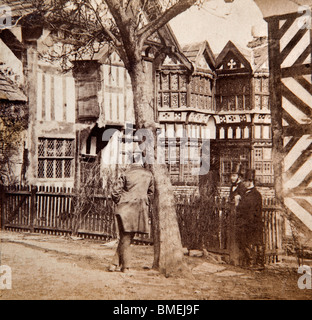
250 224
236 193
237 188
132 195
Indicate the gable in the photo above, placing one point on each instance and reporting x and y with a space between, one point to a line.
171 61
201 56
232 60
202 63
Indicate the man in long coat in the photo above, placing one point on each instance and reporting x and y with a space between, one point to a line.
250 226
132 195
236 193
238 188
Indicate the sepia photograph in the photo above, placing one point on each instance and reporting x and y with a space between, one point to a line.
156 154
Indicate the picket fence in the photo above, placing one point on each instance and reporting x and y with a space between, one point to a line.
209 224
51 210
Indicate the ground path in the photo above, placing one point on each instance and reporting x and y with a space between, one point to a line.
58 268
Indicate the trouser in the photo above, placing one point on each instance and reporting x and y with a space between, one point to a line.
250 247
123 254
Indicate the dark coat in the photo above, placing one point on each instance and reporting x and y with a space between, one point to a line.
237 189
132 193
249 216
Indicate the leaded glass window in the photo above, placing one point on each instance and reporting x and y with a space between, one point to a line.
55 158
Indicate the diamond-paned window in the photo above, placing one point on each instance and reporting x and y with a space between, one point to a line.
172 90
59 168
201 92
263 165
68 168
50 168
59 148
55 158
41 169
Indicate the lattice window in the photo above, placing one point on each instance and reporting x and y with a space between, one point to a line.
41 148
68 169
263 165
229 159
258 167
41 169
59 168
183 100
261 87
201 93
258 154
50 168
172 90
181 157
233 94
55 158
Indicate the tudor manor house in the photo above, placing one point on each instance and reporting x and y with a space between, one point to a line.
198 94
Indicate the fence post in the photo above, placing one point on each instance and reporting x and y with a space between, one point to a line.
33 206
2 191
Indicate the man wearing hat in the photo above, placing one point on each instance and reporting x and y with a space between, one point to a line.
236 193
132 194
250 225
237 188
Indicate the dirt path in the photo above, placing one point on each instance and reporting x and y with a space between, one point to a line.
57 268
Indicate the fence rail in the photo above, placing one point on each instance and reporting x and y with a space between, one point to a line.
51 210
202 224
209 224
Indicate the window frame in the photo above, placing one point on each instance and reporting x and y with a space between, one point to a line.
53 155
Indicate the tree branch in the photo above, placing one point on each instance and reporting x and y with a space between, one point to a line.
106 31
164 18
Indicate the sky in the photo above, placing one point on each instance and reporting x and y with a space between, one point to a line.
218 22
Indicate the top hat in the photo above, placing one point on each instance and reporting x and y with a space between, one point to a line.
237 169
250 175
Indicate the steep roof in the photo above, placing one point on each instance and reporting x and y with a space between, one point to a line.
18 8
242 56
255 57
195 52
10 92
191 51
260 53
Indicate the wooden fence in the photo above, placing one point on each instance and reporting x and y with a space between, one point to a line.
51 210
203 224
209 224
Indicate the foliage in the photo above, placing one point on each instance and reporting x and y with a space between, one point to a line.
298 245
13 121
199 217
125 26
81 28
89 194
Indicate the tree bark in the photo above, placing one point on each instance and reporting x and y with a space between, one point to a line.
168 253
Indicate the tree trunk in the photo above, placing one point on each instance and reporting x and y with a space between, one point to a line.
168 253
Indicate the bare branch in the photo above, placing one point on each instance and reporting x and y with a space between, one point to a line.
106 31
164 18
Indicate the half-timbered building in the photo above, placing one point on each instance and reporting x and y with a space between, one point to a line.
185 103
243 116
199 96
